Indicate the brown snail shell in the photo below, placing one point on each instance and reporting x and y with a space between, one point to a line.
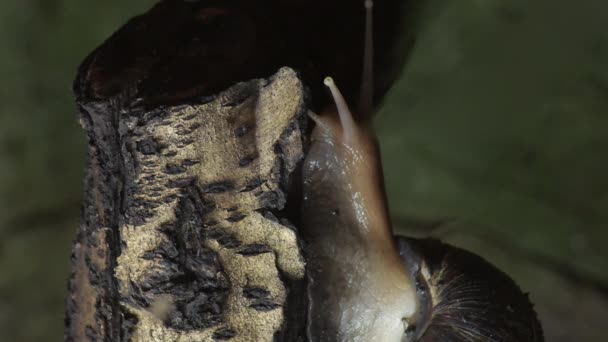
463 298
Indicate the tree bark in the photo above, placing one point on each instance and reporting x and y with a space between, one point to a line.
184 236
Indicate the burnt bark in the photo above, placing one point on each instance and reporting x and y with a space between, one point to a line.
195 114
180 239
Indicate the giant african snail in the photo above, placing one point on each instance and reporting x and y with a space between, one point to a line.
366 285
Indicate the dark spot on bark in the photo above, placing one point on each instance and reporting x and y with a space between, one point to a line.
241 131
185 142
199 305
236 217
247 160
271 199
153 114
148 256
179 183
224 334
136 296
174 169
135 219
253 185
170 154
222 237
264 305
211 222
128 324
215 233
147 146
252 292
229 241
189 117
140 204
270 216
181 130
219 187
189 162
167 250
169 199
254 249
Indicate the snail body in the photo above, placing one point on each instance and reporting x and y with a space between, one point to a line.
366 285
350 243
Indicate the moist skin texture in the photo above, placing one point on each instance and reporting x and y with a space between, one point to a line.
361 286
358 288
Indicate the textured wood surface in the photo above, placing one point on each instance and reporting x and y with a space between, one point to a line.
184 237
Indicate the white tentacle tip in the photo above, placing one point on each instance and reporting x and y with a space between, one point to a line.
369 4
329 82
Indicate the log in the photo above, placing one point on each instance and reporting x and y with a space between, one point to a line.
183 235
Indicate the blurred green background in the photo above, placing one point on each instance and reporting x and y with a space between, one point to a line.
498 128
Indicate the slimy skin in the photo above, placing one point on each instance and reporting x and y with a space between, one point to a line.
358 289
366 285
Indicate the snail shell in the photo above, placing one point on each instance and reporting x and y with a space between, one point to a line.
463 298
